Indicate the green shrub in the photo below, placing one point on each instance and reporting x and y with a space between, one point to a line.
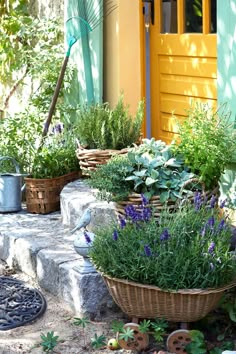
207 142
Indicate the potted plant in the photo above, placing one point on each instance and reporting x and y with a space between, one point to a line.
48 168
149 168
54 165
206 142
103 132
175 269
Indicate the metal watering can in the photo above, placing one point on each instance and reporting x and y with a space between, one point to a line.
10 188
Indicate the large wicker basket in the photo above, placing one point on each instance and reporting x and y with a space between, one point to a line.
144 301
43 195
89 159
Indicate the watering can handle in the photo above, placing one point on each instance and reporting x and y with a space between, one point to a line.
2 158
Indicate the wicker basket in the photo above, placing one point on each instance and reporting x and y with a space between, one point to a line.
136 200
144 301
90 158
43 195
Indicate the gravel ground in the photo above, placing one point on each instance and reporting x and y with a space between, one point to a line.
57 318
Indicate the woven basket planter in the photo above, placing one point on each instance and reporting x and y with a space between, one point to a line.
136 200
144 301
43 195
89 159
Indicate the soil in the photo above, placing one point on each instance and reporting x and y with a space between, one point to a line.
72 339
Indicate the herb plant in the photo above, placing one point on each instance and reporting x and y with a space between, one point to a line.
207 142
98 342
186 249
149 168
100 127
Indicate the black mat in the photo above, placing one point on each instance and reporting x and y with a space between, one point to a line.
19 304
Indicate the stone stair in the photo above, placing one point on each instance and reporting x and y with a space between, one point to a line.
42 247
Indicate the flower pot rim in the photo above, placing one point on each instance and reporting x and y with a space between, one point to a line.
189 291
50 178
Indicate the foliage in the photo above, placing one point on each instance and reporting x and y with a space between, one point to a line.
183 250
20 137
149 168
82 322
197 344
56 158
229 305
126 334
49 341
207 142
109 179
98 341
30 48
100 127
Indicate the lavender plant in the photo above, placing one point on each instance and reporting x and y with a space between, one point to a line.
183 250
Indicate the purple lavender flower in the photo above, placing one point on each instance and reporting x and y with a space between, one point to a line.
122 222
197 200
212 202
221 225
211 222
115 235
147 251
222 204
144 200
165 235
132 213
57 129
211 248
146 214
87 237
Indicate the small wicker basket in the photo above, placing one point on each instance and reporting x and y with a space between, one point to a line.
90 158
145 301
43 195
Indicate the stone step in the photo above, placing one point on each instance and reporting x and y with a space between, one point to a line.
42 247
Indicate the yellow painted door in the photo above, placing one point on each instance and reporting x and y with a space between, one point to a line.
183 61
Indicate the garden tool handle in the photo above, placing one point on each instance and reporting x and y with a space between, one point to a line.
2 158
55 96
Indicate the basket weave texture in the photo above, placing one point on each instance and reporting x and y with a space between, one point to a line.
136 200
90 158
154 202
43 195
144 301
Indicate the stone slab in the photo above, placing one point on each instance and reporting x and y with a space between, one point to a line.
42 247
76 197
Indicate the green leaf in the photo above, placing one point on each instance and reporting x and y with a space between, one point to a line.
164 196
149 181
82 322
126 334
144 326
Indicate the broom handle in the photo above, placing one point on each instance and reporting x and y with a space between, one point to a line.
55 96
